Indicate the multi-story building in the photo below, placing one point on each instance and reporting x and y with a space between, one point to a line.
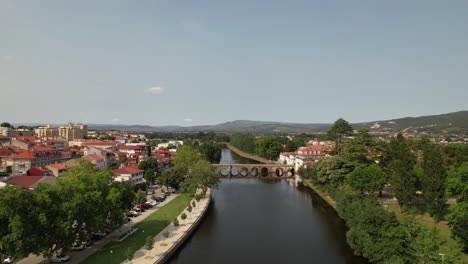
73 131
47 131
69 132
37 156
129 173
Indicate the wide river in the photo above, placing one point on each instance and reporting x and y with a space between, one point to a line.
258 221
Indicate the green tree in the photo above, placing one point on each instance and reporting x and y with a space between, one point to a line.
333 170
175 222
130 254
140 197
433 180
5 124
183 216
340 129
457 182
366 179
402 176
363 148
201 176
18 223
173 177
243 141
186 157
166 234
151 168
268 146
150 176
211 151
149 243
458 220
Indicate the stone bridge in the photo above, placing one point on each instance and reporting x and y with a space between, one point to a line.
254 171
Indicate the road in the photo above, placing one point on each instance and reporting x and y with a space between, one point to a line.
78 256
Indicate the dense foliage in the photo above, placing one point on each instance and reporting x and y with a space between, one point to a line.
364 166
151 168
340 129
83 201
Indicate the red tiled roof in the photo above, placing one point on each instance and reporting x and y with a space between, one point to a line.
24 155
94 157
25 181
127 170
58 166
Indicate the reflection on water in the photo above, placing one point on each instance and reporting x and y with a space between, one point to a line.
266 221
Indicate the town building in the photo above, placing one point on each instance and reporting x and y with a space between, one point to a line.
129 173
69 132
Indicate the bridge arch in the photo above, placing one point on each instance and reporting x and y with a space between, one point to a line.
254 170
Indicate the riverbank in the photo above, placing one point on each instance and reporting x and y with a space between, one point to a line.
249 156
165 247
116 252
444 230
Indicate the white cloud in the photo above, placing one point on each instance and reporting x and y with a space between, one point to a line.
188 119
155 90
116 120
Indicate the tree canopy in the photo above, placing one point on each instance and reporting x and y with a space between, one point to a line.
340 129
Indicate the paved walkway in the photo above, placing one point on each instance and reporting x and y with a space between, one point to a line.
164 246
79 256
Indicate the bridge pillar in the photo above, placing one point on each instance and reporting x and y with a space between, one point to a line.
229 170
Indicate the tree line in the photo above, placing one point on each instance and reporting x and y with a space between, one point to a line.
266 146
421 175
53 217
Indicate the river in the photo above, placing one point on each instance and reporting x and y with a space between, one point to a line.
258 221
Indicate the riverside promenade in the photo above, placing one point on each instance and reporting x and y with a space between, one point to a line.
164 247
249 156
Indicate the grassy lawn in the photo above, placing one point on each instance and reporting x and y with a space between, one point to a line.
151 225
425 219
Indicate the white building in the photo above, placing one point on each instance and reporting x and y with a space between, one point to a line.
129 173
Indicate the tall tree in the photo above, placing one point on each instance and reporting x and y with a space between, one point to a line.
187 156
201 176
340 129
402 177
366 179
458 220
434 180
151 168
18 223
140 197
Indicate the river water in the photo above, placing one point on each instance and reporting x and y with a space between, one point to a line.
258 221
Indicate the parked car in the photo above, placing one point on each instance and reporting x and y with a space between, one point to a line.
8 260
57 258
97 236
141 207
78 245
159 199
135 213
167 194
146 206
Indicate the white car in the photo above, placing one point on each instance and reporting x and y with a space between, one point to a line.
8 260
57 258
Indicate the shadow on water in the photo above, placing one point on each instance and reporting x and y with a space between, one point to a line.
266 221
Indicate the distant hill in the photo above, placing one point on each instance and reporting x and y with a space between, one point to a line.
451 123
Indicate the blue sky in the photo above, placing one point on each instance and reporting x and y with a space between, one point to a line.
173 62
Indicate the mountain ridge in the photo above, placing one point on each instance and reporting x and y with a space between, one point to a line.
455 122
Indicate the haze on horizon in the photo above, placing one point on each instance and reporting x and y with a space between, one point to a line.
207 62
